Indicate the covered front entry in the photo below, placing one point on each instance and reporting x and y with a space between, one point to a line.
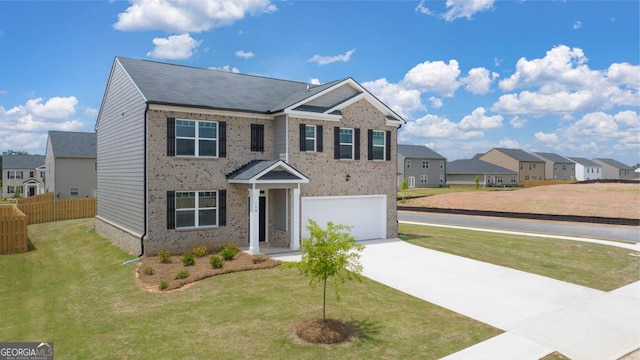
260 176
32 188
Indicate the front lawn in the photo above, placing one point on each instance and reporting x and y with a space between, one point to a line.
422 192
596 266
73 290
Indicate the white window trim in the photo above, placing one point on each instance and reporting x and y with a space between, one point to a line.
77 192
412 181
196 139
197 210
314 138
424 179
352 143
15 175
408 164
383 146
425 164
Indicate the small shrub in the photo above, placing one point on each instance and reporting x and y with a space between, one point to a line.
229 251
148 271
260 258
164 256
163 285
216 262
182 274
200 251
188 259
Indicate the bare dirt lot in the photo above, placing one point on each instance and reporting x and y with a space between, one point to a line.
608 200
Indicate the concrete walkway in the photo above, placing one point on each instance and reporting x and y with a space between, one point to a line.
540 315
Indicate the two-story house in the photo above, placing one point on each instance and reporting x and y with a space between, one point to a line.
23 172
556 167
192 156
71 164
526 165
613 169
586 169
464 172
421 166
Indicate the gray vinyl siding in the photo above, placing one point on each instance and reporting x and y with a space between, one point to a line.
280 138
50 169
433 172
120 150
77 173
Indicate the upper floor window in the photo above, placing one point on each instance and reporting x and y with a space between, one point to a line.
441 164
257 137
378 145
196 138
425 164
346 143
408 164
310 138
564 167
14 174
31 174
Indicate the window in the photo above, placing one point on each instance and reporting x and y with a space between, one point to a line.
441 164
31 174
14 174
257 137
424 179
564 168
555 167
526 177
196 138
499 179
425 164
565 177
521 166
377 145
441 179
412 181
196 209
12 189
311 138
408 164
346 143
74 192
513 179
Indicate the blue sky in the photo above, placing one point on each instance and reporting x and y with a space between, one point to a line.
467 75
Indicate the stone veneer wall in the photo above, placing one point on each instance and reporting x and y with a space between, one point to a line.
119 237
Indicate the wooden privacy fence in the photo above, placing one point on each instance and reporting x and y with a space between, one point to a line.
13 230
44 208
534 183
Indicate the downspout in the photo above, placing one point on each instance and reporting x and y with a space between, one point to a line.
144 185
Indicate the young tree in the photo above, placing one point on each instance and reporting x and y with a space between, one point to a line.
329 253
16 192
477 181
403 187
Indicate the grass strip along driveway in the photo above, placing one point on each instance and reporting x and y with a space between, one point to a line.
596 266
73 290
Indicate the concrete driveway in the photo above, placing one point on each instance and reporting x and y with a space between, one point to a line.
540 315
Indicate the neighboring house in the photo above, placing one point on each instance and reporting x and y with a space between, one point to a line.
556 167
421 166
586 169
25 172
612 169
71 164
526 165
192 156
464 172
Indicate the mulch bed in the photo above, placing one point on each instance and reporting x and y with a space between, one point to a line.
201 270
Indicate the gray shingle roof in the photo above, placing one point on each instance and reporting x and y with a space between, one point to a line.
200 87
73 144
22 161
519 155
554 158
418 152
614 163
584 162
251 169
476 167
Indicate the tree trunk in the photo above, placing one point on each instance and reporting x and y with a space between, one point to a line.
324 300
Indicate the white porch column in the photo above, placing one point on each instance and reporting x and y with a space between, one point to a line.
295 218
254 221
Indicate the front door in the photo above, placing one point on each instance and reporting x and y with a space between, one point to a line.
32 191
262 219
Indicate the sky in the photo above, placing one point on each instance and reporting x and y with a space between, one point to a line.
466 75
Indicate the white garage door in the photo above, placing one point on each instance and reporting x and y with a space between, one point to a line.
367 214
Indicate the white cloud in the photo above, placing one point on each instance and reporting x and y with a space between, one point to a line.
508 143
434 126
423 9
466 8
434 77
25 127
436 103
175 47
479 80
323 60
401 100
478 120
577 25
225 68
315 81
188 16
546 138
245 54
517 122
3 92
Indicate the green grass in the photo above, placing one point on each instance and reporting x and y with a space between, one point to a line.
73 290
422 192
593 265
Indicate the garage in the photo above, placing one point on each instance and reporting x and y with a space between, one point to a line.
366 213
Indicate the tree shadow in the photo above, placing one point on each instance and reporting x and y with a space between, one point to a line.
365 330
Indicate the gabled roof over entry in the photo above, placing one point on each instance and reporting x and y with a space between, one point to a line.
267 171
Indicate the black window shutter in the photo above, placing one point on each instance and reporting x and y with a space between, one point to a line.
370 144
336 142
257 137
319 147
222 207
171 209
387 146
21 176
171 136
356 144
303 137
222 139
